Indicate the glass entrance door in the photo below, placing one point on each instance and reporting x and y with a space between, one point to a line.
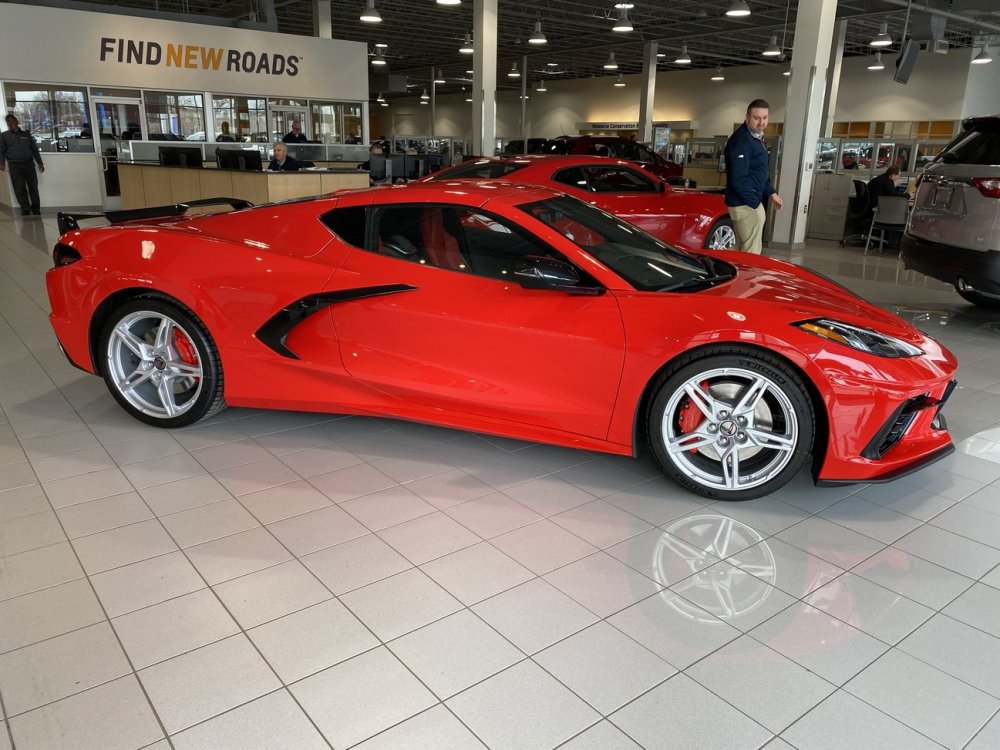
114 120
282 118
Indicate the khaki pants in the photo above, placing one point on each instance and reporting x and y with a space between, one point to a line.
749 226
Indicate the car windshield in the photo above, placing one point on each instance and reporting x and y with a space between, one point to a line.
485 169
639 258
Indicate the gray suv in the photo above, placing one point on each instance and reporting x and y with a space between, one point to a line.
953 232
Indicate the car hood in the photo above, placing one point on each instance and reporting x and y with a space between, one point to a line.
799 291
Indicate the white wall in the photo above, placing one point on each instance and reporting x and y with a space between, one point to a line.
937 90
982 92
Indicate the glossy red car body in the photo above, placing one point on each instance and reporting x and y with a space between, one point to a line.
688 219
615 146
484 354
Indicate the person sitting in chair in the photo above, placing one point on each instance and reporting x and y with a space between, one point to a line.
282 162
884 184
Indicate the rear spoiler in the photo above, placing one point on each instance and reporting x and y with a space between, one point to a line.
70 221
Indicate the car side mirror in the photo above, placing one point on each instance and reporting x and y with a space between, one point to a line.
540 272
663 186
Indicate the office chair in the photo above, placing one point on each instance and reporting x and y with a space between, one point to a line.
889 216
858 215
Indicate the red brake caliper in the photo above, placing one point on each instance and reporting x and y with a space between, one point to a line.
185 348
690 416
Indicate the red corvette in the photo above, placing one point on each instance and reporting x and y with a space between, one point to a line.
688 219
506 309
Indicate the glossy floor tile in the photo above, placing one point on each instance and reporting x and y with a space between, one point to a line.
276 579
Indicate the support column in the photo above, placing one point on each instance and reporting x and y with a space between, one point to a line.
814 29
647 93
524 103
322 25
484 77
833 79
434 88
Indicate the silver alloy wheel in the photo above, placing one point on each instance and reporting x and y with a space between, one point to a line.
746 429
154 364
722 237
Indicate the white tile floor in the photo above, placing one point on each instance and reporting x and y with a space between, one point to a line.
282 580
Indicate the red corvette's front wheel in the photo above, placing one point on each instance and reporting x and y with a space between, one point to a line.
733 426
160 364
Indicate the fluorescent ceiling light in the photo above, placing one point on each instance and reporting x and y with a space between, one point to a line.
882 39
425 96
449 2
512 73
739 9
772 50
382 45
619 83
626 6
611 64
439 78
683 58
541 87
378 58
466 48
370 14
877 64
718 74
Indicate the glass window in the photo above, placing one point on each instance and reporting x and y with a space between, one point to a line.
175 116
642 260
978 145
348 223
246 117
352 123
573 177
326 122
631 151
49 112
618 180
456 238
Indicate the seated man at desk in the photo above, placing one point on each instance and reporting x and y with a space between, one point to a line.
884 184
282 162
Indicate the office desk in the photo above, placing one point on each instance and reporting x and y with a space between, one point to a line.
145 185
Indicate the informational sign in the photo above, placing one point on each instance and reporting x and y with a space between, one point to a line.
53 45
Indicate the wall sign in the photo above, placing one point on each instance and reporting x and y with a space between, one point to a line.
102 49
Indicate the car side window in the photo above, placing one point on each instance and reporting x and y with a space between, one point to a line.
629 151
347 223
455 238
618 180
572 176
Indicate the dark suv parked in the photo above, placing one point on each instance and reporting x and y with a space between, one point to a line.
953 232
615 146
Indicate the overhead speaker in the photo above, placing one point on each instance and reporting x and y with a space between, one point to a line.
906 60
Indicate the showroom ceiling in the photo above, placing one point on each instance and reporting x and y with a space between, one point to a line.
422 34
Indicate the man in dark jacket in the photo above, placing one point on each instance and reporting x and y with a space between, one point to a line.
282 162
884 184
19 150
747 183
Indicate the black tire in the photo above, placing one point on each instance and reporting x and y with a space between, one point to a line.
770 437
979 300
721 236
160 363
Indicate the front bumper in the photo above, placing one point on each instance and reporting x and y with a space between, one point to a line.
949 264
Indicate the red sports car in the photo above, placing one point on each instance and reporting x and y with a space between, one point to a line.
688 219
617 146
507 309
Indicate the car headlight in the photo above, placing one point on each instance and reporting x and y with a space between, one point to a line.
862 339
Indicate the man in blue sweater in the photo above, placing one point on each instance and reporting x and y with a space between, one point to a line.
747 183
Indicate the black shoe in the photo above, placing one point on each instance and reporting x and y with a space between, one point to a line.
36 212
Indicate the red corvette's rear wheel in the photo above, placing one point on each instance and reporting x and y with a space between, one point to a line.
160 364
732 426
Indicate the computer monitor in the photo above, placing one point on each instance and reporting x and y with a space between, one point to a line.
180 156
235 158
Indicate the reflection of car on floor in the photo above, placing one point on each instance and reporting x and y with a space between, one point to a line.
688 219
509 309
